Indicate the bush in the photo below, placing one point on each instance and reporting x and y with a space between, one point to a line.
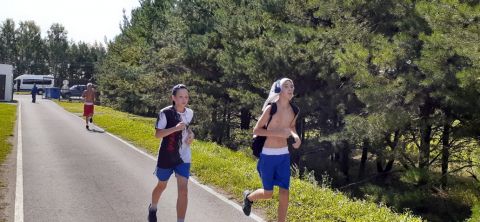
415 176
475 213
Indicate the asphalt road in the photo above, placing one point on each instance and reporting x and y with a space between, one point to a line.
71 174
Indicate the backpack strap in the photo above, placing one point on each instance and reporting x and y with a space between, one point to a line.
295 108
273 110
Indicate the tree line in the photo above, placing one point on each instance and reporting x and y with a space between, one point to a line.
23 47
383 86
395 79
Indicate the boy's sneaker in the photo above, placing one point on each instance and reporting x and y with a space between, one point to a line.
152 214
91 119
88 128
247 204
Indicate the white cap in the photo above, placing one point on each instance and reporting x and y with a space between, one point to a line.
275 90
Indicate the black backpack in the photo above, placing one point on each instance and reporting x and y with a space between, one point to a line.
259 141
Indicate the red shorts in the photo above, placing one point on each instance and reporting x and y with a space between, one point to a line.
87 110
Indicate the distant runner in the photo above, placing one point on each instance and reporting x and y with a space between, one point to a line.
88 96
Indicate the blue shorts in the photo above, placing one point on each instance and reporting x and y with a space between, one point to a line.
274 170
163 174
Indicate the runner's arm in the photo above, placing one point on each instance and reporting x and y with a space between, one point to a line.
293 130
160 133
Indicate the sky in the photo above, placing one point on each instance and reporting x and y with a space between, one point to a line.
86 20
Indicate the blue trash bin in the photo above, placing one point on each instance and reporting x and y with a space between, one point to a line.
46 93
52 92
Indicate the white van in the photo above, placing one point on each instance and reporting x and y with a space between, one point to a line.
25 82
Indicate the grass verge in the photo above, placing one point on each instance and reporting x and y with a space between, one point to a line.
235 171
7 123
23 93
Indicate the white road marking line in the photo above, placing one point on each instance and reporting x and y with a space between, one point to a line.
19 183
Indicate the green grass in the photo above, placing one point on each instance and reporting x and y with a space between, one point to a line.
135 129
23 93
235 171
7 123
475 213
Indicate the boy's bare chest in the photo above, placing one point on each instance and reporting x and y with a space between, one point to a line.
282 119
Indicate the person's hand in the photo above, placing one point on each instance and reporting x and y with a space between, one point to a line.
180 126
190 137
189 141
298 141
